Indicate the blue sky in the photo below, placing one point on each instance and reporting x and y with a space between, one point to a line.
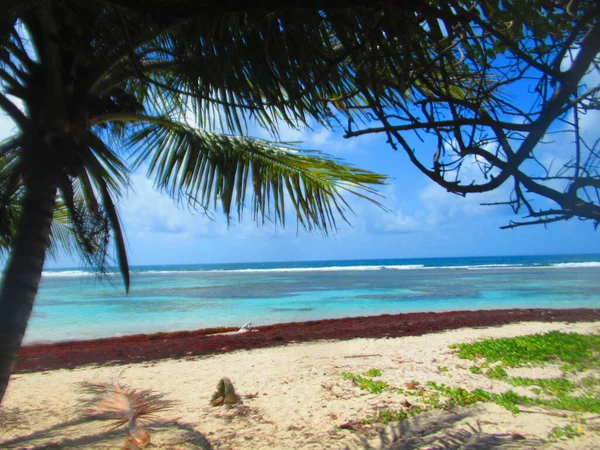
423 220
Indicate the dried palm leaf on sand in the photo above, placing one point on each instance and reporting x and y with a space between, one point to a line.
120 406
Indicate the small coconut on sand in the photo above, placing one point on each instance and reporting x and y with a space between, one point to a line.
303 395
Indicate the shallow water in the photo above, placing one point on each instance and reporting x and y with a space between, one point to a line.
75 304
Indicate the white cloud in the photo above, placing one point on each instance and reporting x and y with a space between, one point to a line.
442 205
397 222
149 214
145 211
316 137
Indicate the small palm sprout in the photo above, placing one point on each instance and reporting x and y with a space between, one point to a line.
120 406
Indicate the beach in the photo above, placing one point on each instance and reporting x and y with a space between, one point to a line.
289 377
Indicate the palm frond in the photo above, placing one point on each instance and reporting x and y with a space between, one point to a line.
90 226
62 234
10 191
200 168
121 405
107 175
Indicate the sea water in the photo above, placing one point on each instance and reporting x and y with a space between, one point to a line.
76 304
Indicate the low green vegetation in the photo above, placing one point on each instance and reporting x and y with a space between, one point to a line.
573 352
497 372
549 386
510 399
571 348
590 382
372 373
365 383
568 432
385 416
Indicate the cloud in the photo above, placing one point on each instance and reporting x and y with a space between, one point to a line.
316 137
397 223
147 214
442 205
145 210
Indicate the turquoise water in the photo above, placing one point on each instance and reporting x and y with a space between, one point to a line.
75 304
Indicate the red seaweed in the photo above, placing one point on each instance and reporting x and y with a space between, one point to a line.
181 344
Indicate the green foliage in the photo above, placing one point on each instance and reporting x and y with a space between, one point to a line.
572 348
576 351
586 403
460 396
497 372
198 167
130 82
567 432
385 416
573 367
510 399
558 392
372 373
366 384
550 386
442 369
590 382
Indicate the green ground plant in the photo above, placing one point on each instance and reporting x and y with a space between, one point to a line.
570 348
372 373
549 386
385 416
568 432
365 383
576 352
497 372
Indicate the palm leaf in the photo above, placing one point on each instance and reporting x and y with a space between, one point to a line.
121 405
103 170
201 168
62 234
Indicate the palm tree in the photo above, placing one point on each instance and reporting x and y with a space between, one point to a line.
105 89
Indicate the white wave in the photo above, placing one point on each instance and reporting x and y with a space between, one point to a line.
159 272
322 269
485 267
292 269
328 269
67 273
576 264
79 273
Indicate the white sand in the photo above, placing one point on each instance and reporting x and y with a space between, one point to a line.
301 399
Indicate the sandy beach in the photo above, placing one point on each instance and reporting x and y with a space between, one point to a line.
294 395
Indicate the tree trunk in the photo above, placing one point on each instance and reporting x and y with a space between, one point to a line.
24 268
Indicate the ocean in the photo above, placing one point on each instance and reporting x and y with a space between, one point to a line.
76 304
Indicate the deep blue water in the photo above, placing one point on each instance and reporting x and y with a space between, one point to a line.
75 304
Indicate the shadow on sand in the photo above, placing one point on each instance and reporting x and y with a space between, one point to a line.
184 434
440 430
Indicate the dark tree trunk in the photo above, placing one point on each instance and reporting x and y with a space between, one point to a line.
24 269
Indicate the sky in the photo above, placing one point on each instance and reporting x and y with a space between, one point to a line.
421 220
